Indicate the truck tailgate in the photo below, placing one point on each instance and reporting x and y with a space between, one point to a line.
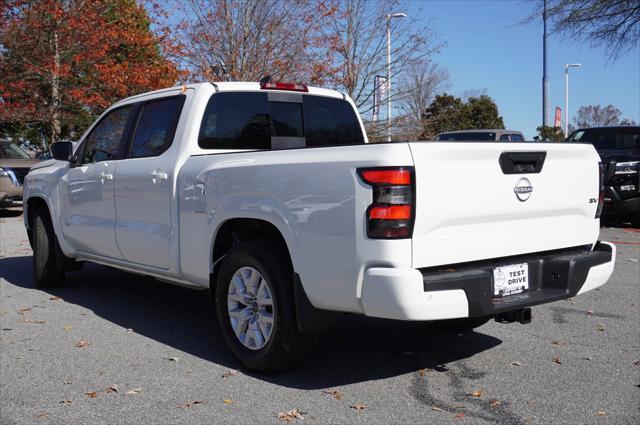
470 207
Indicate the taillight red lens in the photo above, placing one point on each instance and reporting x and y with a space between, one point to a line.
284 86
385 176
399 212
391 214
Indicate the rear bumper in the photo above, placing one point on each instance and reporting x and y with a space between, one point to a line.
466 290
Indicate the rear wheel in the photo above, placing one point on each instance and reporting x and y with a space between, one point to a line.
46 270
256 310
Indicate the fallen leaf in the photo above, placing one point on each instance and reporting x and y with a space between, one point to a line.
516 364
133 391
112 389
557 360
494 402
24 310
66 402
290 415
334 393
41 415
460 415
32 321
558 343
601 413
189 404
424 372
359 406
54 298
67 327
67 382
589 312
173 359
585 358
531 403
478 393
600 327
637 363
91 394
227 401
437 409
82 344
229 373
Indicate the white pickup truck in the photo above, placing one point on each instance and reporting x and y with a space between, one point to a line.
269 196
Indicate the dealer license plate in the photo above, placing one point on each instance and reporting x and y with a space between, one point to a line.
510 280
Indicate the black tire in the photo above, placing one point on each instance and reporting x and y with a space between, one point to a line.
286 346
465 325
46 270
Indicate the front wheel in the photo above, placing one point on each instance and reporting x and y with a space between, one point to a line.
256 311
46 272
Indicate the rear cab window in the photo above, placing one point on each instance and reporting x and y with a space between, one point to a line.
277 120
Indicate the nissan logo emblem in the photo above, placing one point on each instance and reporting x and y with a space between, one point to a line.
523 189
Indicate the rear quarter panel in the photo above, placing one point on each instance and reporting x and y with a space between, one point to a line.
315 199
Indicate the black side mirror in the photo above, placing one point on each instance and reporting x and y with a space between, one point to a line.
61 150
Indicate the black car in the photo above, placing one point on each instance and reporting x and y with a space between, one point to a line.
619 150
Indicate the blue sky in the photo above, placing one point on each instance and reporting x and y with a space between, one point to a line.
486 48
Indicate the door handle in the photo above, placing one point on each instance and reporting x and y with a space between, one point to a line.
157 175
105 176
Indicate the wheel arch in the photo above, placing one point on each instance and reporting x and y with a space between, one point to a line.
32 204
236 230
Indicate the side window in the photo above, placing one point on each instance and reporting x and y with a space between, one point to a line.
504 138
156 127
103 143
517 138
236 121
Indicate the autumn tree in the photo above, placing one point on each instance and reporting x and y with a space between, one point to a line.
600 116
244 40
63 61
354 34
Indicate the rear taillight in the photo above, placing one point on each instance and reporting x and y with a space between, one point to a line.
391 214
601 190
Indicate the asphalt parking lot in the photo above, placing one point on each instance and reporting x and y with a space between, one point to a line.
113 347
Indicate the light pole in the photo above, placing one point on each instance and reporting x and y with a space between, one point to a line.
566 95
389 17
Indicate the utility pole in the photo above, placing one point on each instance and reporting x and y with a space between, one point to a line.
389 17
545 80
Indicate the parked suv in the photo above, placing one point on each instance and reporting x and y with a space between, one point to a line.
481 135
619 150
14 166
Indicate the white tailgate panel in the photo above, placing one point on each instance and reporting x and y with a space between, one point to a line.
467 209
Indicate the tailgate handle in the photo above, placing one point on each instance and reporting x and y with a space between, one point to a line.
522 162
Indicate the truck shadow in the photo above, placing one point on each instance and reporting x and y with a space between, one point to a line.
358 349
